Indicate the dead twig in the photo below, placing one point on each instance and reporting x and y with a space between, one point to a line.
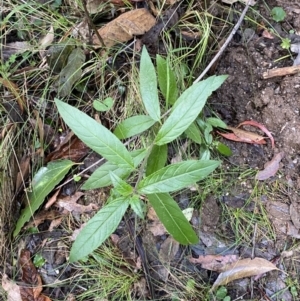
281 71
234 30
91 23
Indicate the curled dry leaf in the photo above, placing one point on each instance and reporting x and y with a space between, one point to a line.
243 136
267 34
270 168
246 136
243 268
69 203
261 127
122 29
214 262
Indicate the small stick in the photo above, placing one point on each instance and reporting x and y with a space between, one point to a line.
281 71
234 30
91 23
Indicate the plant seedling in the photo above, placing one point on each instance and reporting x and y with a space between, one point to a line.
160 180
278 14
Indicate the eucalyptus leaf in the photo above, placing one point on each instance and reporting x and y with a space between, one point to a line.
99 228
172 218
101 178
133 126
166 80
148 86
71 73
95 136
177 176
42 184
187 108
157 158
123 188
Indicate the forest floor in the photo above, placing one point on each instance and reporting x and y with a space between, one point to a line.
237 217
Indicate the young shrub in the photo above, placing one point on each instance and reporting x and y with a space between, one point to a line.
159 180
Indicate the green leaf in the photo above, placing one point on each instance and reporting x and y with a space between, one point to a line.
123 188
166 80
207 134
177 176
285 43
148 86
133 126
193 132
187 108
278 14
104 105
157 159
136 206
70 74
216 122
42 184
221 293
38 260
95 135
98 228
204 153
173 219
101 178
223 149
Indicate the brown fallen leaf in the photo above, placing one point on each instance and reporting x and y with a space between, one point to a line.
40 217
70 148
69 203
243 268
168 250
267 34
240 135
156 227
15 91
52 200
270 168
24 168
214 262
261 127
12 289
32 291
122 29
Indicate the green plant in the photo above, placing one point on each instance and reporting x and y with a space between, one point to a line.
285 43
221 294
278 14
201 133
160 180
